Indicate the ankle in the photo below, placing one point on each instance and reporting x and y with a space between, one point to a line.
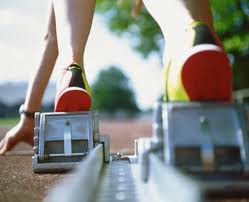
76 63
205 32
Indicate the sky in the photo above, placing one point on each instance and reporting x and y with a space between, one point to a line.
22 27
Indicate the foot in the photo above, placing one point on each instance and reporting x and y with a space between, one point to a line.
203 73
73 93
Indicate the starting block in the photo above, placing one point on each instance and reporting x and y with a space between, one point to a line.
206 137
62 140
208 142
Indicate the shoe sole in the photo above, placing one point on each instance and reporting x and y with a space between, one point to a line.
207 74
73 99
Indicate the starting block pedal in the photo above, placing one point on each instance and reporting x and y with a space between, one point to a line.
62 140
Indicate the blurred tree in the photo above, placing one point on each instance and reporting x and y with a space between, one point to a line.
145 33
112 92
231 21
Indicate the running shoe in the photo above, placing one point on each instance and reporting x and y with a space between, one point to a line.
73 91
203 73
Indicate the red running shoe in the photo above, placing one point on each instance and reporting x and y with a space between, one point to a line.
73 92
203 73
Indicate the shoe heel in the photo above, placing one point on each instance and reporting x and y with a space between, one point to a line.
207 74
73 99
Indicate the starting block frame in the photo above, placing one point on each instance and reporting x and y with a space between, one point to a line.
62 140
214 134
209 129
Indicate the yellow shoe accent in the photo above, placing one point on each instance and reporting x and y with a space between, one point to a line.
173 87
87 86
172 82
88 89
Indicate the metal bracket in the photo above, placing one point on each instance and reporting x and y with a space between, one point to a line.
67 138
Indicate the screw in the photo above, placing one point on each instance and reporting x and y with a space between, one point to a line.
203 120
36 150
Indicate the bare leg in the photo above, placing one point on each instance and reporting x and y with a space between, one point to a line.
73 24
23 131
190 41
175 16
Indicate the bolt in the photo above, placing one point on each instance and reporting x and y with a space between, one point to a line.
36 140
36 150
203 120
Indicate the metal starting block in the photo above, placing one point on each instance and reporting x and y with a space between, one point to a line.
62 140
200 137
206 137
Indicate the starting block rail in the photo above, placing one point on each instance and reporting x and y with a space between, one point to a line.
82 185
120 181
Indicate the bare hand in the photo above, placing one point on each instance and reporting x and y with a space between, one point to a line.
22 132
137 6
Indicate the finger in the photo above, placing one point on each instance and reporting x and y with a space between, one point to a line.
8 145
137 5
2 146
2 143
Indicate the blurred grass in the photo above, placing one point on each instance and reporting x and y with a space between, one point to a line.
8 122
